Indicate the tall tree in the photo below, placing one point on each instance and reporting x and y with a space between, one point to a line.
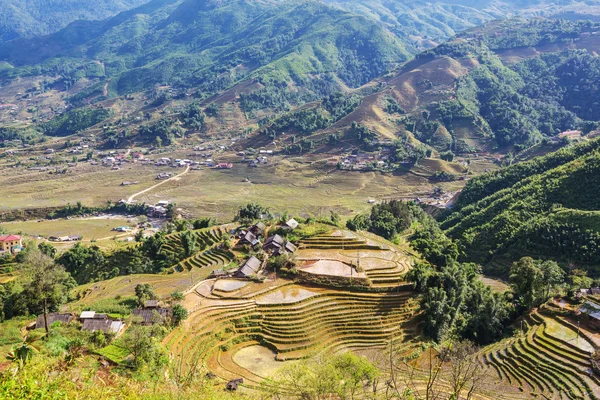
48 283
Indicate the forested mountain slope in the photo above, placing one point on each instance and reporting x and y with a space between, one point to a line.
29 18
548 207
426 23
210 45
499 88
502 87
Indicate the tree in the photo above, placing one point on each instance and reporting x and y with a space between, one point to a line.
177 296
178 314
553 276
47 249
466 374
250 212
48 283
532 280
345 376
579 280
144 291
84 263
189 243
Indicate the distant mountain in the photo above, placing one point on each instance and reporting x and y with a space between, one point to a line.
29 18
425 24
279 66
211 45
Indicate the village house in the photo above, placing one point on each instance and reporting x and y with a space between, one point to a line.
69 238
10 243
273 244
93 321
152 313
122 229
592 313
290 225
250 267
156 212
52 318
219 273
290 247
249 238
163 175
224 165
104 325
258 229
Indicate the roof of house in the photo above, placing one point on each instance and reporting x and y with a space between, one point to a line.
258 227
250 267
291 247
591 309
52 318
250 238
87 314
104 325
275 239
292 223
151 316
9 238
151 303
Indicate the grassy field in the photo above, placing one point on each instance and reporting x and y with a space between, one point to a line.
124 286
290 186
92 185
96 228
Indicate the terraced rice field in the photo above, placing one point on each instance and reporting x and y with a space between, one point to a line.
382 263
293 321
549 360
278 321
210 257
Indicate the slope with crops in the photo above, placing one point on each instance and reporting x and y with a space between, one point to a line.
208 252
298 318
551 358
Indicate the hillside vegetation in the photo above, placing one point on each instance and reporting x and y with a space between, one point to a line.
29 18
546 207
213 45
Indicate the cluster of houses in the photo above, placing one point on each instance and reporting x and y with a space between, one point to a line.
67 238
274 245
10 244
91 321
362 161
159 210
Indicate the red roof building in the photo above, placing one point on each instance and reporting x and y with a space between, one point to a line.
8 242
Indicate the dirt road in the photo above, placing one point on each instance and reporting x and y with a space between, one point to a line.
174 178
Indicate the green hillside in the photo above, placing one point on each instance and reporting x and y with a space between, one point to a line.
213 45
548 207
29 18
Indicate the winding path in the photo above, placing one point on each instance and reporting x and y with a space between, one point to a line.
132 197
